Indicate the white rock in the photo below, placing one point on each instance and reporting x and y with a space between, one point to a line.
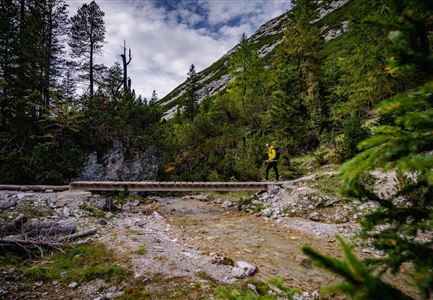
314 216
66 212
273 189
156 216
73 285
38 284
8 203
227 204
248 269
238 273
252 287
114 295
22 195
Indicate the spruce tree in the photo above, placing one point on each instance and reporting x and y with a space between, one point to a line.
154 98
191 100
113 80
302 43
54 14
86 38
68 84
9 29
249 86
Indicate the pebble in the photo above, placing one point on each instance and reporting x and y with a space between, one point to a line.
102 222
114 295
38 284
226 204
73 285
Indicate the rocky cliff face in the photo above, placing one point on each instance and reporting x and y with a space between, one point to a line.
266 40
116 166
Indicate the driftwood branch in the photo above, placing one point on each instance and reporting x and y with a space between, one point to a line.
78 235
5 242
38 234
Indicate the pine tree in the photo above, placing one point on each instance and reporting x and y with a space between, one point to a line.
68 84
9 29
86 38
191 100
54 14
154 98
113 80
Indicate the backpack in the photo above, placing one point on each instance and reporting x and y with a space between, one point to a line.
277 153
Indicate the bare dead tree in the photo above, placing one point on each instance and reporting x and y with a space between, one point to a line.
126 62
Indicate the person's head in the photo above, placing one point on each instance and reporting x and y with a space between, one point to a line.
268 145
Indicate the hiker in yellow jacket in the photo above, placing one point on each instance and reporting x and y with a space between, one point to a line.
272 161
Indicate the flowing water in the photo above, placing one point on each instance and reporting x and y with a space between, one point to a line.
275 250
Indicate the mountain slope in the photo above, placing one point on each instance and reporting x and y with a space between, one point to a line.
265 40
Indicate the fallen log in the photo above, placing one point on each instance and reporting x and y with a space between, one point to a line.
28 244
76 236
37 227
13 227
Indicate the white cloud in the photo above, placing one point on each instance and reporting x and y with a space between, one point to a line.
165 43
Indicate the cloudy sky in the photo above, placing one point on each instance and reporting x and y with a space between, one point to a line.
167 36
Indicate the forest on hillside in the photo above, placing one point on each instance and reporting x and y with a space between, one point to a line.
313 99
364 100
47 125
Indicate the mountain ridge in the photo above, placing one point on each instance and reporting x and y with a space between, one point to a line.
266 39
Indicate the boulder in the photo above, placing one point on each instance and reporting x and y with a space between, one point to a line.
72 198
7 203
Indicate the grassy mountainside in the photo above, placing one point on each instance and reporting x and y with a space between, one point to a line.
307 82
265 41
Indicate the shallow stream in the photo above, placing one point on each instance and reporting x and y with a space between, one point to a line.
274 249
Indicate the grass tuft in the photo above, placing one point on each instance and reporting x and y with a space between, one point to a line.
81 264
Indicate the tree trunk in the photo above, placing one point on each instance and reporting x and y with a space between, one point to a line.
91 69
48 56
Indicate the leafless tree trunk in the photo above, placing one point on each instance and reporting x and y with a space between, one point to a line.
126 80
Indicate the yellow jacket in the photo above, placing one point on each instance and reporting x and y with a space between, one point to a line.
272 154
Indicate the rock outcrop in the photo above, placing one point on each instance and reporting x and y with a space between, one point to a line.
117 166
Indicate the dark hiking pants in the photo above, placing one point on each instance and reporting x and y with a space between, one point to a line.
272 165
